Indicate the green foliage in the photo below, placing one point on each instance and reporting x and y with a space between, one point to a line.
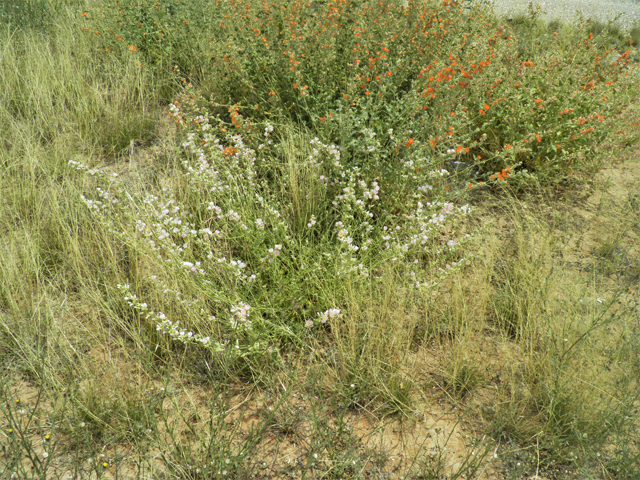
26 14
422 77
165 34
469 87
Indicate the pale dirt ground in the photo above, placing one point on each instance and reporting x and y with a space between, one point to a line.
628 12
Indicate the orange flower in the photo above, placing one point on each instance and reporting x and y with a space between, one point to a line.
558 147
459 149
409 142
229 151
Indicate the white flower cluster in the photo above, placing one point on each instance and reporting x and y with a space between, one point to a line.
240 316
273 253
172 329
369 143
343 236
166 326
91 171
326 316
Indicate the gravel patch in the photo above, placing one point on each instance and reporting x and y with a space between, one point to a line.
565 10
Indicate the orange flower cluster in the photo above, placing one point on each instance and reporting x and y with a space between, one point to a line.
503 175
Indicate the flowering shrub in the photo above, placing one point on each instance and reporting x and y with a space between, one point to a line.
259 269
443 75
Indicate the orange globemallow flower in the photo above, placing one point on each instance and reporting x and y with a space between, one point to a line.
409 142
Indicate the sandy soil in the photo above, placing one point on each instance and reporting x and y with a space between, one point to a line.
626 13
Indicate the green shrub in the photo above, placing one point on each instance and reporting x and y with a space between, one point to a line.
261 243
